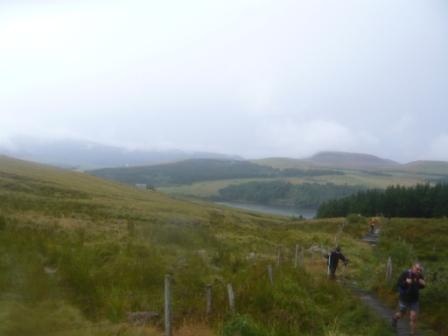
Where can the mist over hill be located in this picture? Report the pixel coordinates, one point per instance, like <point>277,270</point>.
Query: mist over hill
<point>324,167</point>
<point>357,161</point>
<point>336,160</point>
<point>82,155</point>
<point>87,155</point>
<point>351,160</point>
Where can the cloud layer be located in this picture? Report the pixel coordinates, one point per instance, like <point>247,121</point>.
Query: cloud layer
<point>251,77</point>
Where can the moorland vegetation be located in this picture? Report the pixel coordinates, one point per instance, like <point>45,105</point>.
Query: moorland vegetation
<point>78,253</point>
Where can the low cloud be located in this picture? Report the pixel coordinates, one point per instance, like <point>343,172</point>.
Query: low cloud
<point>290,138</point>
<point>438,149</point>
<point>254,78</point>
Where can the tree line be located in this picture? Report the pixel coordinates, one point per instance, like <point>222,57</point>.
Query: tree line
<point>281,193</point>
<point>421,201</point>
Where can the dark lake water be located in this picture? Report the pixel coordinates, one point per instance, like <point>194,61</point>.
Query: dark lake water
<point>306,213</point>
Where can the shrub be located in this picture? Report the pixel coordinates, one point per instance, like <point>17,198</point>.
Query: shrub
<point>242,325</point>
<point>356,219</point>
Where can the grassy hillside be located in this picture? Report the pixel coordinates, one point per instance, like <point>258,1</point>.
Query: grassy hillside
<point>185,172</point>
<point>428,167</point>
<point>77,253</point>
<point>211,179</point>
<point>335,160</point>
<point>284,163</point>
<point>190,171</point>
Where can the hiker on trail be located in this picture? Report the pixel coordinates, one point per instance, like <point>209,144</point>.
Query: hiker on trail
<point>372,223</point>
<point>333,260</point>
<point>409,284</point>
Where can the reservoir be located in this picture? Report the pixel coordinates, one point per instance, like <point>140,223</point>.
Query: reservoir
<point>289,212</point>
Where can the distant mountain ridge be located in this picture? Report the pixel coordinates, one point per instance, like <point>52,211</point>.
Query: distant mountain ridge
<point>86,155</point>
<point>82,155</point>
<point>195,170</point>
<point>428,167</point>
<point>351,160</point>
<point>356,161</point>
<point>330,164</point>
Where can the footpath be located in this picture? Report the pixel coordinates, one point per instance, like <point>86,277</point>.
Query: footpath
<point>375,304</point>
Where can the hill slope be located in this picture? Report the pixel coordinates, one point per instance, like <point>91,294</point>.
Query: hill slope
<point>185,172</point>
<point>428,167</point>
<point>96,250</point>
<point>351,161</point>
<point>257,182</point>
<point>335,160</point>
<point>190,171</point>
<point>358,161</point>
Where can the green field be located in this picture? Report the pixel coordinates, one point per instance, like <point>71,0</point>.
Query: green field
<point>78,253</point>
<point>208,189</point>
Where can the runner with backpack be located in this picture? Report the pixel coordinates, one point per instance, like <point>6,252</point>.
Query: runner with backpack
<point>409,284</point>
<point>333,260</point>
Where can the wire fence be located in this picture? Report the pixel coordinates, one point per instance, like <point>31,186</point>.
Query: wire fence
<point>265,269</point>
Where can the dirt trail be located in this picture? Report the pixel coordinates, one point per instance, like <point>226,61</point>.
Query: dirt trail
<point>374,303</point>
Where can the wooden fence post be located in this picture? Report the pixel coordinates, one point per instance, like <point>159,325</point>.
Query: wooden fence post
<point>302,256</point>
<point>389,269</point>
<point>278,256</point>
<point>296,256</point>
<point>168,331</point>
<point>209,299</point>
<point>231,298</point>
<point>270,275</point>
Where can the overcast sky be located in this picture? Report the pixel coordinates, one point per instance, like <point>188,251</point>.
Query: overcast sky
<point>249,77</point>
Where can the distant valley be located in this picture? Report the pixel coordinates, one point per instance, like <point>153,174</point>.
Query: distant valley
<point>281,182</point>
<point>285,183</point>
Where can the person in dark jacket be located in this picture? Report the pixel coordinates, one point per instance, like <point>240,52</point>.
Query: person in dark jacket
<point>372,223</point>
<point>333,260</point>
<point>409,284</point>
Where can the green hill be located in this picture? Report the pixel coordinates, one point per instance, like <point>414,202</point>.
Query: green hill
<point>428,167</point>
<point>284,163</point>
<point>334,160</point>
<point>328,173</point>
<point>191,171</point>
<point>185,172</point>
<point>352,161</point>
